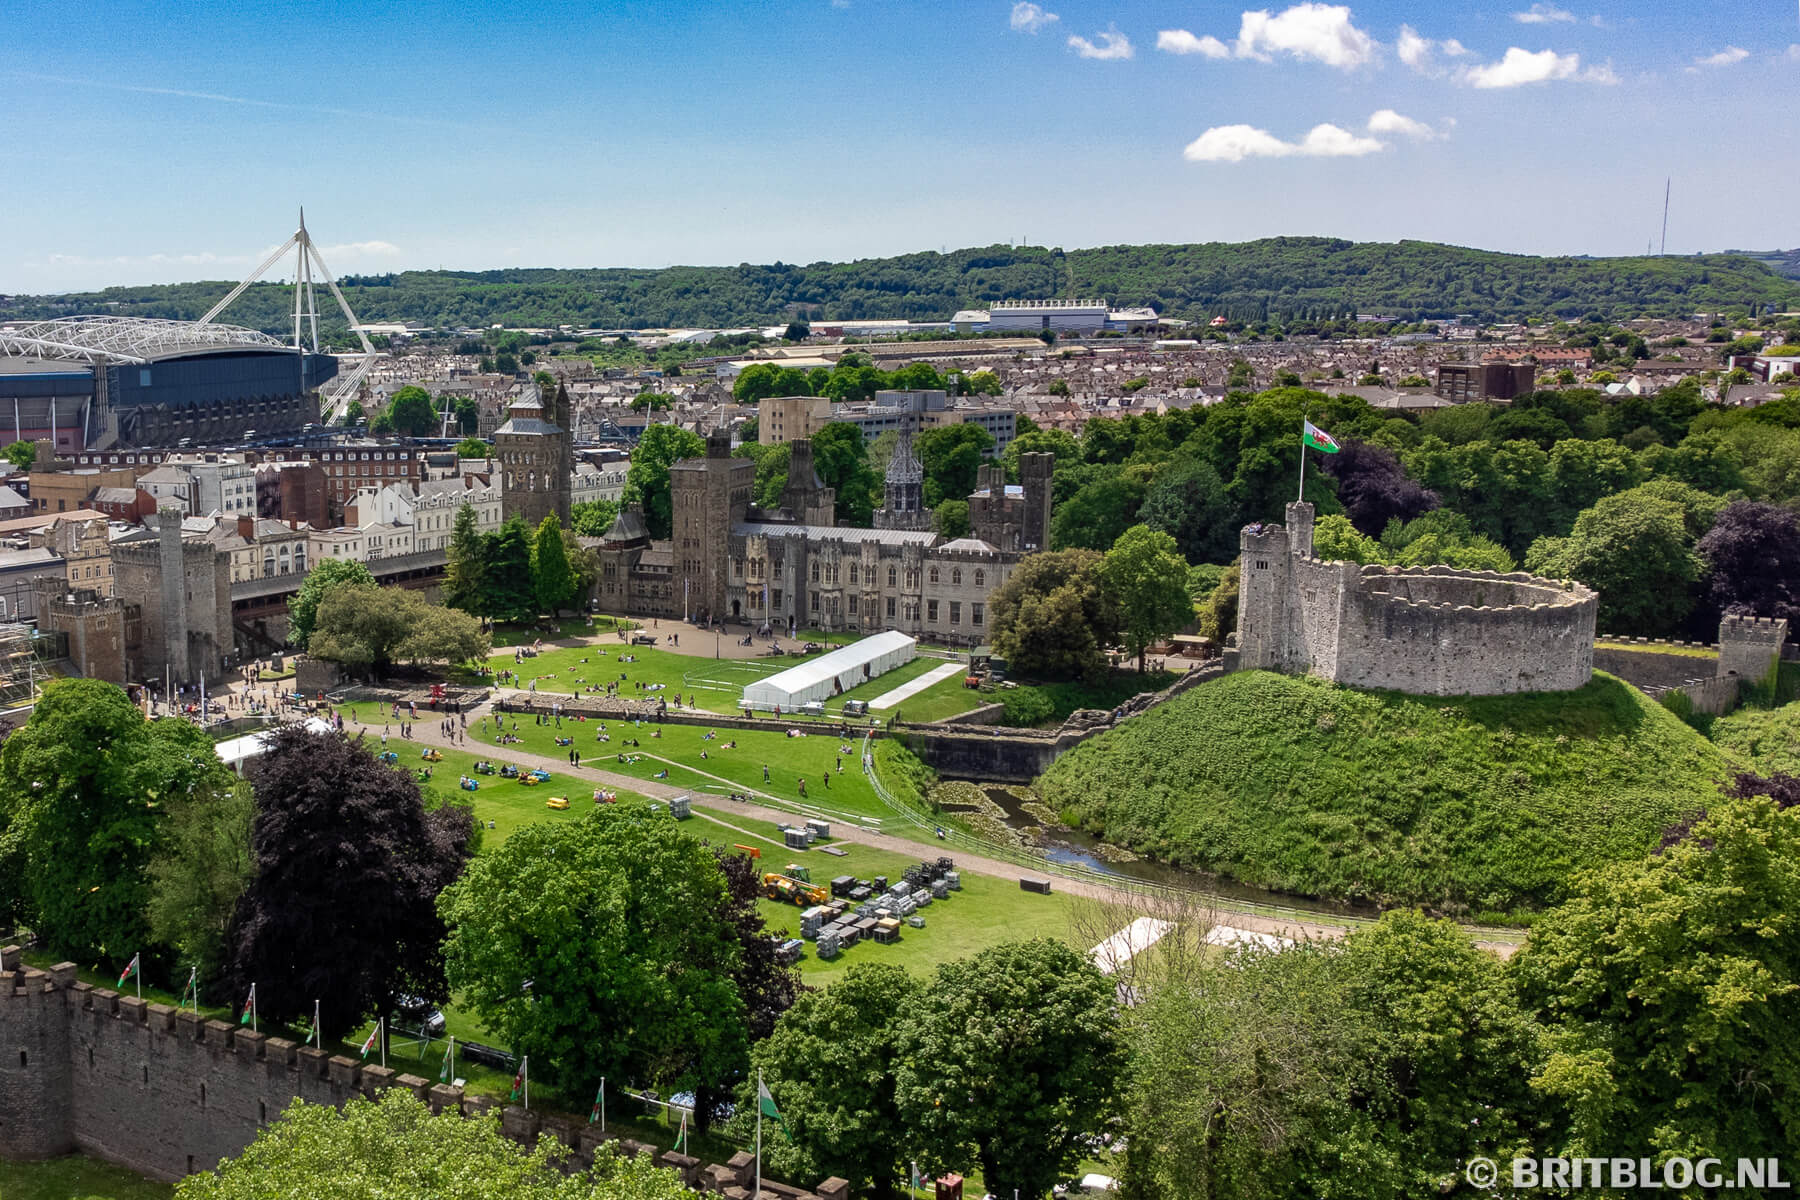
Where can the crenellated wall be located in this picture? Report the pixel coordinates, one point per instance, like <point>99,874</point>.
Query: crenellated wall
<point>1429,631</point>
<point>166,1093</point>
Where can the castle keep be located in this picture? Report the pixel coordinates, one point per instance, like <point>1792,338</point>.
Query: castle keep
<point>1434,631</point>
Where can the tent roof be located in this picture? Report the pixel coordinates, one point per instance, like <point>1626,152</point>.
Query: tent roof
<point>800,677</point>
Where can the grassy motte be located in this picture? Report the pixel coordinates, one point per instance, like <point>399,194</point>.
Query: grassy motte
<point>1481,805</point>
<point>1764,740</point>
<point>76,1177</point>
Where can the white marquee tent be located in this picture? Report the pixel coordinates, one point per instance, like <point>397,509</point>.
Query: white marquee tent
<point>240,750</point>
<point>831,674</point>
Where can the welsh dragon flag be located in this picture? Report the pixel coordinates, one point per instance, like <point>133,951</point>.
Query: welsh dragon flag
<point>765,1105</point>
<point>374,1034</point>
<point>1317,438</point>
<point>131,968</point>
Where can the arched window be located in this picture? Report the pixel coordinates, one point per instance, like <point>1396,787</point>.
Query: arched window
<point>980,577</point>
<point>956,577</point>
<point>934,575</point>
<point>893,576</point>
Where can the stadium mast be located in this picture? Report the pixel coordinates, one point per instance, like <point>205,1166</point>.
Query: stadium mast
<point>337,394</point>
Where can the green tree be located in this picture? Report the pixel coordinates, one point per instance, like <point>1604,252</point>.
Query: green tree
<point>382,424</point>
<point>1189,502</point>
<point>473,447</point>
<point>831,1064</point>
<point>85,787</point>
<point>1095,517</point>
<point>324,578</point>
<point>394,1145</point>
<point>797,331</point>
<point>592,518</point>
<point>600,945</point>
<point>21,454</point>
<point>199,870</point>
<point>648,401</point>
<point>1218,616</point>
<point>951,456</point>
<point>1053,617</point>
<point>550,573</point>
<point>506,572</point>
<point>410,411</point>
<point>1147,578</point>
<point>951,519</point>
<point>1040,441</point>
<point>342,908</point>
<point>465,566</point>
<point>369,628</point>
<point>353,412</point>
<point>1668,990</point>
<point>841,460</point>
<point>981,383</point>
<point>1010,1059</point>
<point>1637,553</point>
<point>647,479</point>
<point>1058,387</point>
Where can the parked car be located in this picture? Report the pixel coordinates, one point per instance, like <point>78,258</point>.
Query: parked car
<point>414,1012</point>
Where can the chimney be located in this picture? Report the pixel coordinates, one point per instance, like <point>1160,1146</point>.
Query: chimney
<point>246,527</point>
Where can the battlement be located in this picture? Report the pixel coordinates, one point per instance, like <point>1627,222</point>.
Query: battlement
<point>1426,630</point>
<point>166,1092</point>
<point>1738,627</point>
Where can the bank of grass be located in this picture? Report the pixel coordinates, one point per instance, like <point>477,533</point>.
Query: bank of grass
<point>1763,740</point>
<point>1480,806</point>
<point>76,1177</point>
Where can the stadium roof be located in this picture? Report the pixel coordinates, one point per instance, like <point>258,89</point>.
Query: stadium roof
<point>126,339</point>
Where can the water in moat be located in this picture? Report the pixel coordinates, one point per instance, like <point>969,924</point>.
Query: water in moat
<point>1076,847</point>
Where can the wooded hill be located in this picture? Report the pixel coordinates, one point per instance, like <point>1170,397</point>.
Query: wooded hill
<point>1304,277</point>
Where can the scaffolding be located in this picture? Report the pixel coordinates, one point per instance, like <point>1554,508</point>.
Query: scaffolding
<point>22,667</point>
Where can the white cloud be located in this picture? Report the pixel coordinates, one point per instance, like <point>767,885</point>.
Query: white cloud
<point>1729,56</point>
<point>1320,32</point>
<point>1520,67</point>
<point>1029,18</point>
<point>1543,14</point>
<point>361,250</point>
<point>1389,121</point>
<point>1793,52</point>
<point>1420,52</point>
<point>1110,46</point>
<point>1235,143</point>
<point>1180,41</point>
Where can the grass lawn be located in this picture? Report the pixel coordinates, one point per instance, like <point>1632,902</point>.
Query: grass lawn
<point>1682,651</point>
<point>76,1178</point>
<point>716,684</point>
<point>677,752</point>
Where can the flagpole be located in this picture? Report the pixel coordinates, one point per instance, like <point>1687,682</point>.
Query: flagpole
<point>525,1074</point>
<point>759,1108</point>
<point>318,1038</point>
<point>381,1028</point>
<point>603,1104</point>
<point>1302,495</point>
<point>253,1008</point>
<point>140,975</point>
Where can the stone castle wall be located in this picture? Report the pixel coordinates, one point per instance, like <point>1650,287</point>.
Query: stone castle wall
<point>1429,631</point>
<point>166,1093</point>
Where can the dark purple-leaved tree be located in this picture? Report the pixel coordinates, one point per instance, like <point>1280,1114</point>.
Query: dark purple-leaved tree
<point>1374,488</point>
<point>1780,787</point>
<point>1752,556</point>
<point>342,907</point>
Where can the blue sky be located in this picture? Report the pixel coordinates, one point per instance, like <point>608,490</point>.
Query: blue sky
<point>152,142</point>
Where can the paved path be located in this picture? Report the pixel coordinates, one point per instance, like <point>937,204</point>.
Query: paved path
<point>913,687</point>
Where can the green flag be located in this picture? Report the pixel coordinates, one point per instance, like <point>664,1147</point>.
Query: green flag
<point>1317,438</point>
<point>766,1105</point>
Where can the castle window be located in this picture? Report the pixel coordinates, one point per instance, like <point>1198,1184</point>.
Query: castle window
<point>815,575</point>
<point>1262,565</point>
<point>956,579</point>
<point>22,1060</point>
<point>890,607</point>
<point>815,602</point>
<point>853,577</point>
<point>893,577</point>
<point>975,614</point>
<point>934,575</point>
<point>931,610</point>
<point>853,605</point>
<point>956,612</point>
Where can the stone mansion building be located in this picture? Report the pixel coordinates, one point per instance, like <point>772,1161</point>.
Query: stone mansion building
<point>794,567</point>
